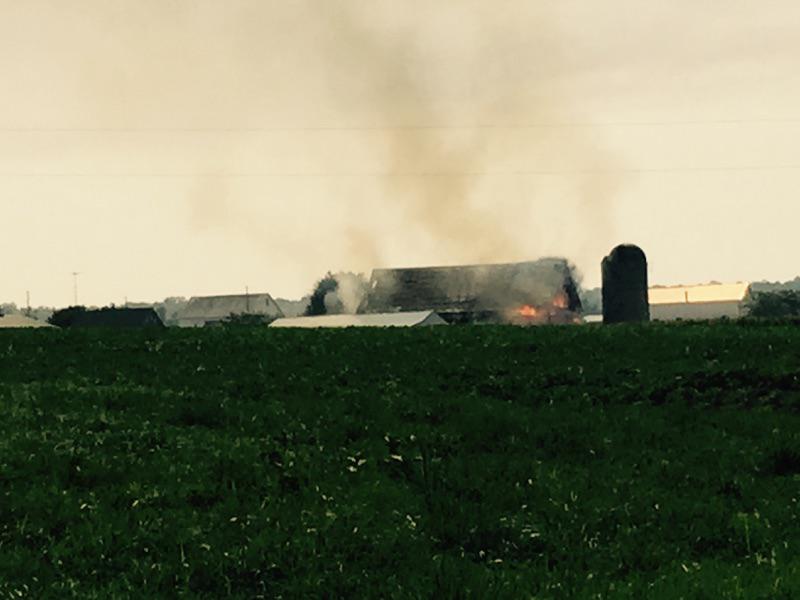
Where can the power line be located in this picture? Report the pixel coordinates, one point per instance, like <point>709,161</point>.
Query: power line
<point>401,175</point>
<point>422,127</point>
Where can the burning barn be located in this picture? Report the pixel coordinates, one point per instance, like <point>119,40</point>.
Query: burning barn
<point>535,292</point>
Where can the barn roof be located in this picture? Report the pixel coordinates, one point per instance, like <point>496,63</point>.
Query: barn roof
<point>215,308</point>
<point>400,319</point>
<point>471,288</point>
<point>118,317</point>
<point>710,292</point>
<point>17,321</point>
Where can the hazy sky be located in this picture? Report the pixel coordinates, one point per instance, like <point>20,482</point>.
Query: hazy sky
<point>176,147</point>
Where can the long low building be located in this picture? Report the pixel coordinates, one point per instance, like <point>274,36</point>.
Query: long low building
<point>699,302</point>
<point>399,319</point>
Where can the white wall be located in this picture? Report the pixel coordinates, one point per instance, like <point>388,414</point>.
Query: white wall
<point>696,311</point>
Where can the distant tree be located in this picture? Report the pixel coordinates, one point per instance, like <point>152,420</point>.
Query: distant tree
<point>66,316</point>
<point>591,301</point>
<point>338,293</point>
<point>777,304</point>
<point>325,286</point>
<point>769,286</point>
<point>9,309</point>
<point>162,312</point>
<point>247,320</point>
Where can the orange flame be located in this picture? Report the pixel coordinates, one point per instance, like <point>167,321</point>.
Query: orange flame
<point>561,301</point>
<point>528,311</point>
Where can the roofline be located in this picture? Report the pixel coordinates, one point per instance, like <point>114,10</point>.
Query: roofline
<point>699,285</point>
<point>250,295</point>
<point>476,266</point>
<point>690,303</point>
<point>125,308</point>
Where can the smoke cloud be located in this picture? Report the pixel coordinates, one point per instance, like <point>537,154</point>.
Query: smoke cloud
<point>439,108</point>
<point>351,289</point>
<point>435,169</point>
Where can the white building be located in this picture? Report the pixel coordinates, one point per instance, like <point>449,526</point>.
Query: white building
<point>698,302</point>
<point>400,319</point>
<point>211,310</point>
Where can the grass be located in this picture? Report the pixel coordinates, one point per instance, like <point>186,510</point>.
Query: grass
<point>485,462</point>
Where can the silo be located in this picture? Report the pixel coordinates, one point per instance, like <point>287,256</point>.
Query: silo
<point>625,286</point>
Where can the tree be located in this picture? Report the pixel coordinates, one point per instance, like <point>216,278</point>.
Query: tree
<point>247,320</point>
<point>8,309</point>
<point>66,316</point>
<point>775,305</point>
<point>335,294</point>
<point>592,301</point>
<point>325,286</point>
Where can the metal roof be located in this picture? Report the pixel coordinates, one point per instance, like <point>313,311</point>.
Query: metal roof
<point>400,319</point>
<point>210,308</point>
<point>694,294</point>
<point>22,322</point>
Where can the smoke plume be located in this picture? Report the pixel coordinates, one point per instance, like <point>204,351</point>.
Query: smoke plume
<point>339,293</point>
<point>434,169</point>
<point>447,122</point>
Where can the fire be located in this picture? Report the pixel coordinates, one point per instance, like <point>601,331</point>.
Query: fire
<point>555,312</point>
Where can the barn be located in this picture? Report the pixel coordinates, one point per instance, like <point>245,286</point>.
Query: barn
<point>542,291</point>
<point>400,319</point>
<point>699,302</point>
<point>212,310</point>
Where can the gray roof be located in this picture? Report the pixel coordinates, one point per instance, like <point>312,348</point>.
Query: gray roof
<point>472,288</point>
<point>407,319</point>
<point>217,308</point>
<point>17,321</point>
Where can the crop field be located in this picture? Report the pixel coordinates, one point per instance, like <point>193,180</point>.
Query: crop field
<point>474,462</point>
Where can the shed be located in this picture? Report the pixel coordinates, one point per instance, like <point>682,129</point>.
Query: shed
<point>399,319</point>
<point>475,293</point>
<point>699,302</point>
<point>211,310</point>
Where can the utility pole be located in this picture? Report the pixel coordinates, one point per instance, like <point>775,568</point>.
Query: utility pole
<point>75,287</point>
<point>28,304</point>
<point>247,298</point>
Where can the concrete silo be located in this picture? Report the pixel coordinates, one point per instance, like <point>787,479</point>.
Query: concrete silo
<point>625,297</point>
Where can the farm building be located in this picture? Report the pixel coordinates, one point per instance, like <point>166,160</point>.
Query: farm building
<point>697,302</point>
<point>400,319</point>
<point>22,322</point>
<point>527,292</point>
<point>212,310</point>
<point>117,318</point>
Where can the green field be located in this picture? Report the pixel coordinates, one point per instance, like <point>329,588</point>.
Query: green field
<point>474,462</point>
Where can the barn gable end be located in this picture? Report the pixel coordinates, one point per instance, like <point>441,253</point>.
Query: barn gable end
<point>210,310</point>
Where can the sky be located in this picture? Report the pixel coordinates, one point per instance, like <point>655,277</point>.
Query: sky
<point>175,148</point>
